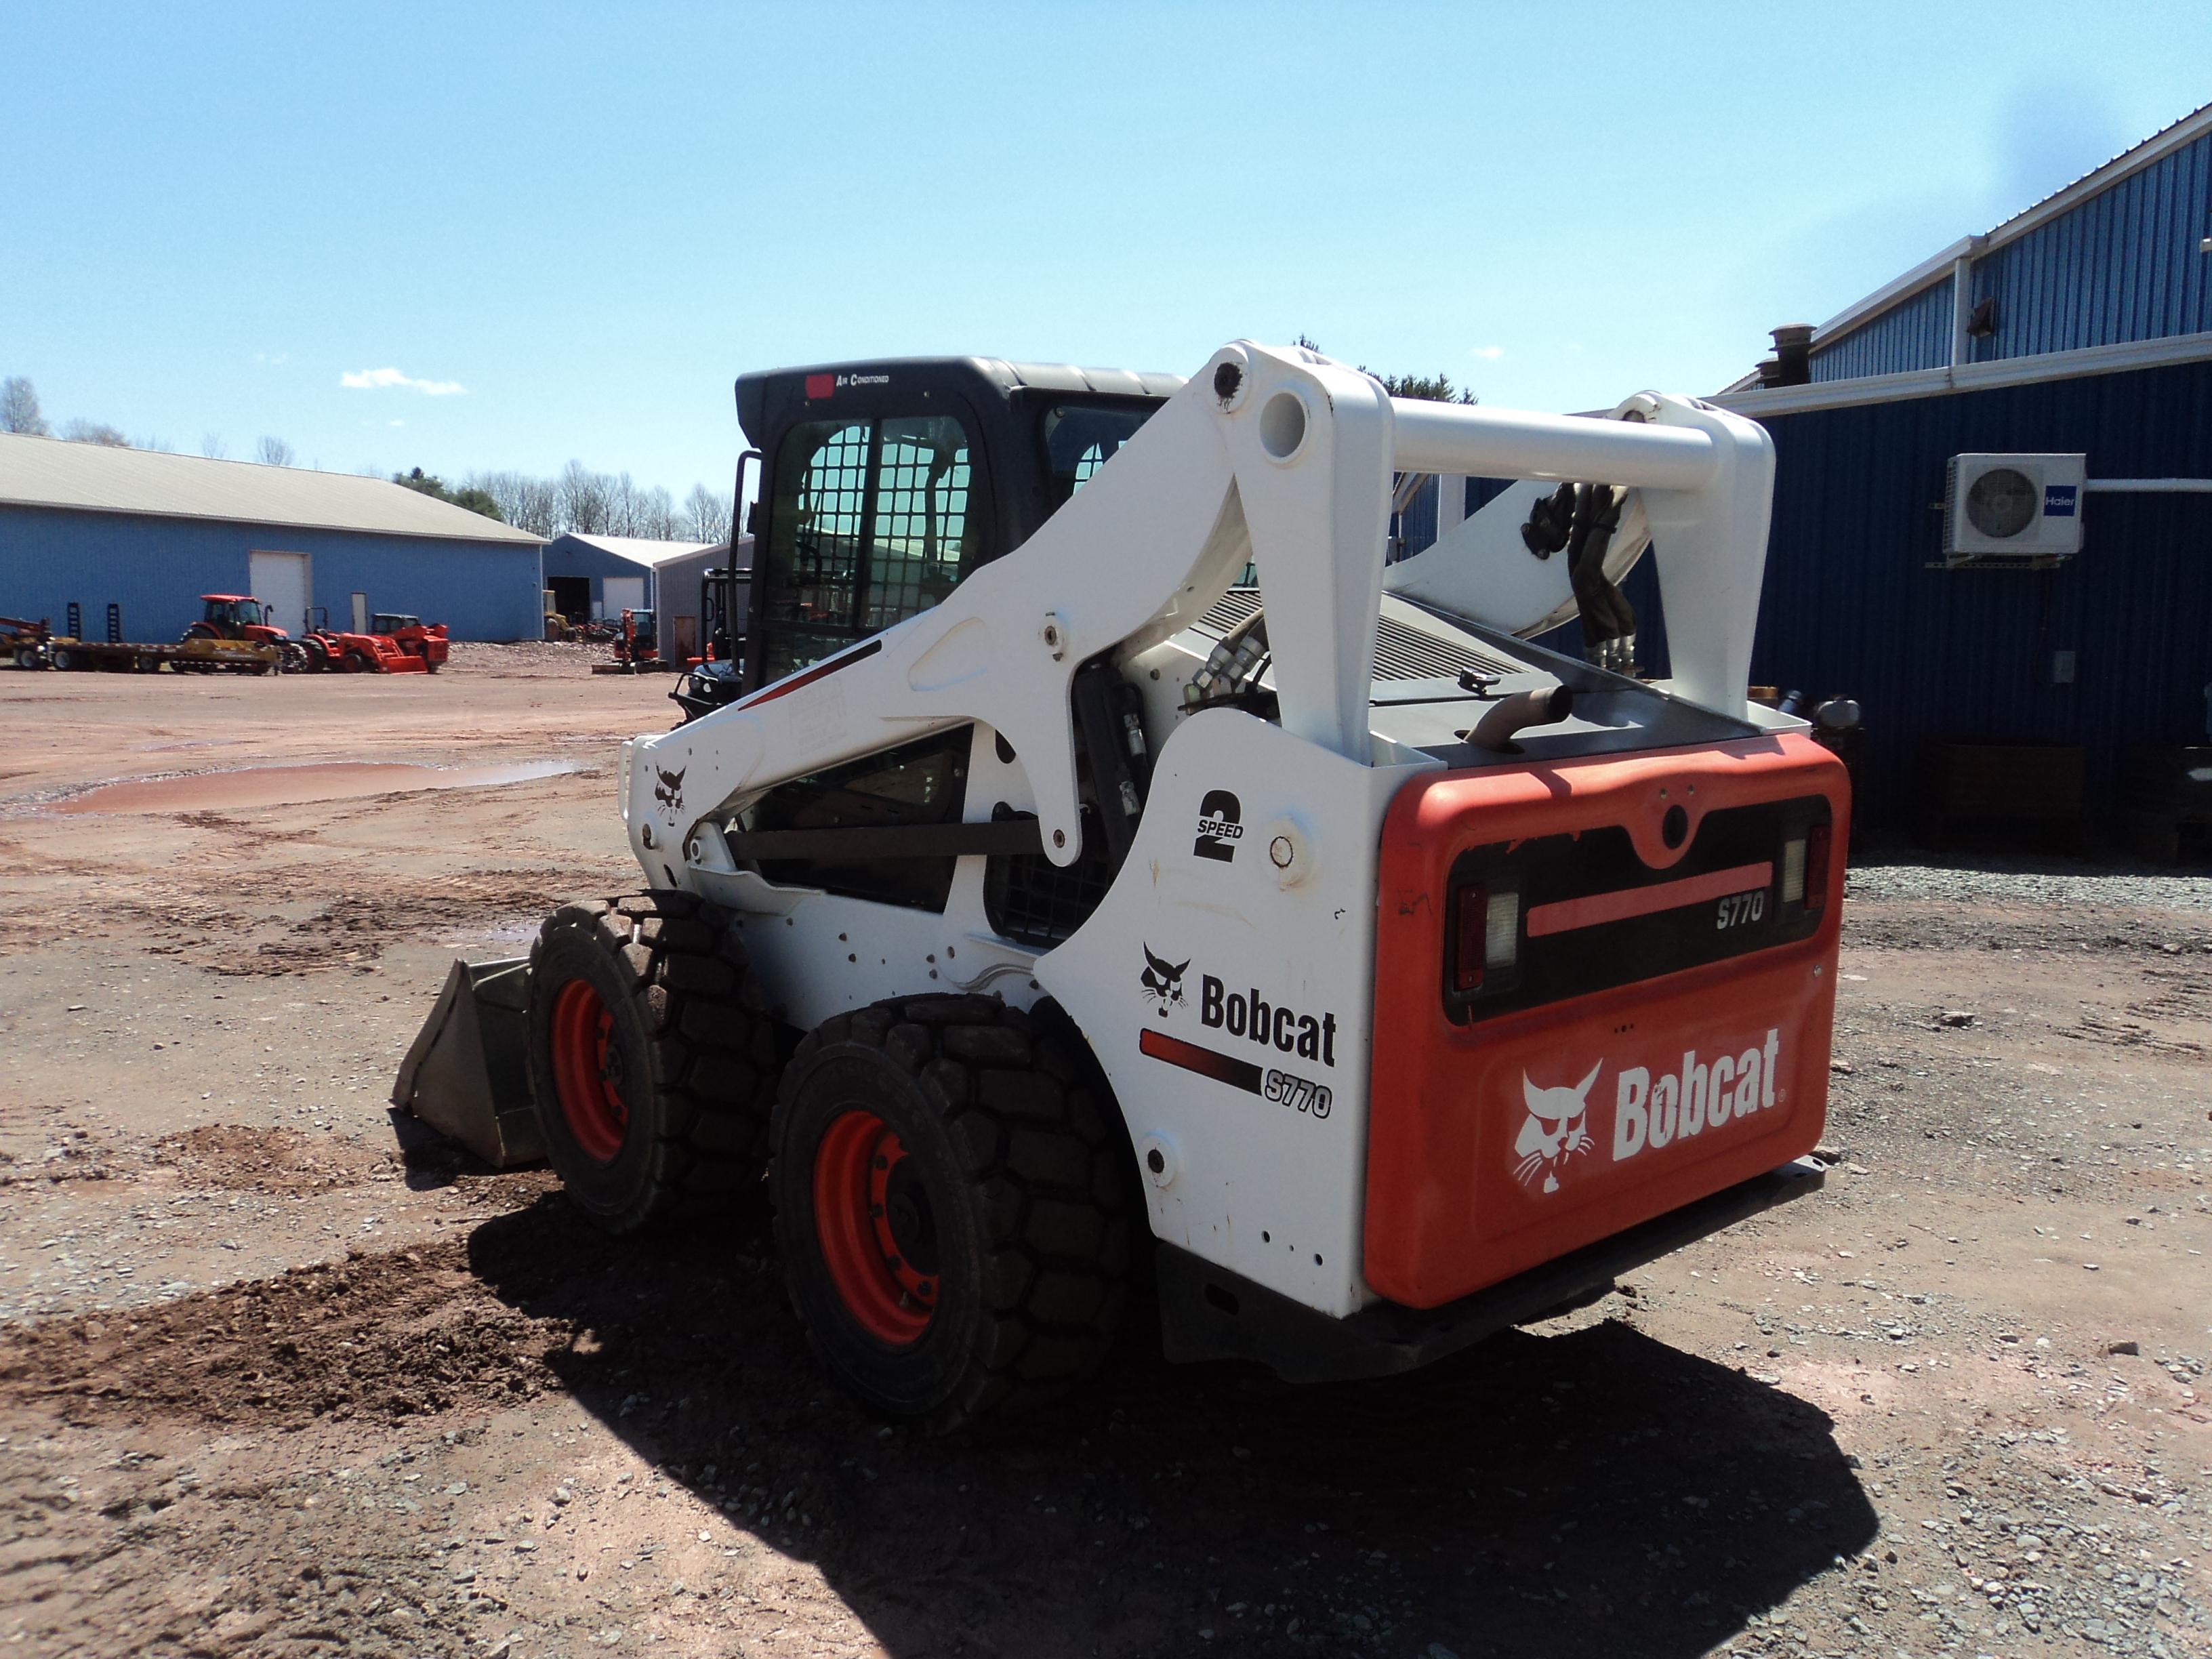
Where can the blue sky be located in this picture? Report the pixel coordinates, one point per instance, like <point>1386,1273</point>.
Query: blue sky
<point>565,230</point>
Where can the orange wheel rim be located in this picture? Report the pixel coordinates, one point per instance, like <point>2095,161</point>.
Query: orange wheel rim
<point>877,1228</point>
<point>586,1066</point>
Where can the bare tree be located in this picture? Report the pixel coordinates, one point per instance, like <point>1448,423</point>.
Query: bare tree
<point>658,514</point>
<point>706,515</point>
<point>622,506</point>
<point>94,432</point>
<point>528,503</point>
<point>536,506</point>
<point>583,497</point>
<point>19,408</point>
<point>154,445</point>
<point>587,502</point>
<point>273,452</point>
<point>212,447</point>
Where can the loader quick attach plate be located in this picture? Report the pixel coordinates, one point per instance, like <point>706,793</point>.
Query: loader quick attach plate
<point>467,1073</point>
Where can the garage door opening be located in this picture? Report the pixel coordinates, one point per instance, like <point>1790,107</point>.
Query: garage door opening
<point>572,597</point>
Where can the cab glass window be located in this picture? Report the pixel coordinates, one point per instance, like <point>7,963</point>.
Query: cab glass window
<point>870,523</point>
<point>1080,439</point>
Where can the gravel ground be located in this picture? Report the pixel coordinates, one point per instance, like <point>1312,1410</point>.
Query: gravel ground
<point>1910,879</point>
<point>527,659</point>
<point>275,1381</point>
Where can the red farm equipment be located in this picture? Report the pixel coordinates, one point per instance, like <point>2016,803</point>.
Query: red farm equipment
<point>410,649</point>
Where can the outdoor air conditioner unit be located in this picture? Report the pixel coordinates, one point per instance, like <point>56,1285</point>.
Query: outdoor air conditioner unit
<point>2012,508</point>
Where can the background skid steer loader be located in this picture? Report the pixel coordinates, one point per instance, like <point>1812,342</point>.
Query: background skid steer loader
<point>1050,884</point>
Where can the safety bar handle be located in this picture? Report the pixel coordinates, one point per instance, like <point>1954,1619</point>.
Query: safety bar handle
<point>1486,443</point>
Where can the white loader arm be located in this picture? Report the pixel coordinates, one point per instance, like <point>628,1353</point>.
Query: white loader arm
<point>1279,455</point>
<point>1704,515</point>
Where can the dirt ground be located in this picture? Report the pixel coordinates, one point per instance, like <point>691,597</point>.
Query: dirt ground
<point>269,1384</point>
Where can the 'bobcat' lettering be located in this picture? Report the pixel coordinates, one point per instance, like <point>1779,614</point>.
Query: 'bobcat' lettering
<point>1251,1015</point>
<point>1648,1113</point>
<point>1703,1095</point>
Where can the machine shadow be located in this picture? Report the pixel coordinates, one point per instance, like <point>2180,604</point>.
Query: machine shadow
<point>1592,1493</point>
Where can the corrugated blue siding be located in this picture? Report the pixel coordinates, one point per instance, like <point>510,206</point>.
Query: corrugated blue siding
<point>156,568</point>
<point>2123,265</point>
<point>1914,334</point>
<point>1850,605</point>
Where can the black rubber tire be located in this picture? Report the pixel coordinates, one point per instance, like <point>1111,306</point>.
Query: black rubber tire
<point>1021,1150</point>
<point>67,660</point>
<point>697,1056</point>
<point>356,662</point>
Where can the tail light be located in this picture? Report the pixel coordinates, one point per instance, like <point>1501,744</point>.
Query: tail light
<point>1805,868</point>
<point>1467,938</point>
<point>1816,868</point>
<point>1485,934</point>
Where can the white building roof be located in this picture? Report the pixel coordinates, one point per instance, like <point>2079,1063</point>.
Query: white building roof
<point>644,550</point>
<point>94,478</point>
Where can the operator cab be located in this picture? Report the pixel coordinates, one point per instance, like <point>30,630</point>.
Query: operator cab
<point>888,483</point>
<point>235,617</point>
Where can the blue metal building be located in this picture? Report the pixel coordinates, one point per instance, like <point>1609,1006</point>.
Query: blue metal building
<point>591,576</point>
<point>149,533</point>
<point>2083,325</point>
<point>579,568</point>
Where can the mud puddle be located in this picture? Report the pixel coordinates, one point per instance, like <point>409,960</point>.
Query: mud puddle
<point>290,785</point>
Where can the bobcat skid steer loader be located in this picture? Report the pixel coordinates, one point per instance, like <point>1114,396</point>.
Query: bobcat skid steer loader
<point>1108,866</point>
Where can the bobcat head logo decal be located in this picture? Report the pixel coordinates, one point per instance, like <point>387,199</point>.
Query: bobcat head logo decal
<point>1163,980</point>
<point>669,792</point>
<point>1557,1129</point>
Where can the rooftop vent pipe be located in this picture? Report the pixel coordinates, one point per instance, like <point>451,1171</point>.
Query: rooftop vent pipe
<point>1793,354</point>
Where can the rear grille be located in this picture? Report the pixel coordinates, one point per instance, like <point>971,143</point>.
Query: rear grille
<point>1403,654</point>
<point>1591,914</point>
<point>1230,611</point>
<point>1400,653</point>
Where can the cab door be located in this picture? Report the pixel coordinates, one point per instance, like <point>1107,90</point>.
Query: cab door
<point>873,518</point>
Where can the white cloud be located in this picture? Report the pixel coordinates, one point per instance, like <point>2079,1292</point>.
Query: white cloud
<point>373,379</point>
<point>1488,354</point>
<point>395,424</point>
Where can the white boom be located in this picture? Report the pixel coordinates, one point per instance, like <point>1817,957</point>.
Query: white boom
<point>1278,456</point>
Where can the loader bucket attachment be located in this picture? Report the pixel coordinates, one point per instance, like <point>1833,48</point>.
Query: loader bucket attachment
<point>467,1073</point>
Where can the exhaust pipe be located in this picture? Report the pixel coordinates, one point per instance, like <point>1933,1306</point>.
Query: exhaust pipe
<point>1518,712</point>
<point>1793,354</point>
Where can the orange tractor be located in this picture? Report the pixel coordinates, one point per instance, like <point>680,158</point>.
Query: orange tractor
<point>395,645</point>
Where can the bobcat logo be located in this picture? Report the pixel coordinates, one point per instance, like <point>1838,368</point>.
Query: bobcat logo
<point>1163,980</point>
<point>669,792</point>
<point>1557,1129</point>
